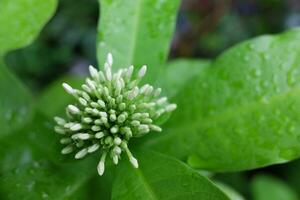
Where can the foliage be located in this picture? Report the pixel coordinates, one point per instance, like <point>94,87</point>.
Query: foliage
<point>237,112</point>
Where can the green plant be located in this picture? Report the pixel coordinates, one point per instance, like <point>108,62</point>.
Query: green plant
<point>238,112</point>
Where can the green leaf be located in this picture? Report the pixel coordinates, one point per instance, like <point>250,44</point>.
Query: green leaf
<point>36,140</point>
<point>162,177</point>
<point>15,103</point>
<point>229,191</point>
<point>54,99</point>
<point>266,187</point>
<point>31,167</point>
<point>187,69</point>
<point>243,111</point>
<point>136,32</point>
<point>43,180</point>
<point>21,21</point>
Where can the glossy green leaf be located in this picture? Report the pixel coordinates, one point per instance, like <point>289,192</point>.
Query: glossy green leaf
<point>136,32</point>
<point>178,73</point>
<point>15,102</point>
<point>266,187</point>
<point>21,21</point>
<point>31,166</point>
<point>54,99</point>
<point>229,191</point>
<point>43,180</point>
<point>162,177</point>
<point>243,112</point>
<point>36,140</point>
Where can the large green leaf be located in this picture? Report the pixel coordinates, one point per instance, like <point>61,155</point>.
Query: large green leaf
<point>266,187</point>
<point>187,69</point>
<point>15,105</point>
<point>136,32</point>
<point>43,180</point>
<point>162,177</point>
<point>36,140</point>
<point>31,167</point>
<point>54,99</point>
<point>21,21</point>
<point>242,112</point>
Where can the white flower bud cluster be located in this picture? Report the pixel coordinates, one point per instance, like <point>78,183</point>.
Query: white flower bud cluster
<point>109,110</point>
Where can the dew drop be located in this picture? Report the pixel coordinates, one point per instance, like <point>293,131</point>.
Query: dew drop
<point>265,100</point>
<point>31,185</point>
<point>291,129</point>
<point>102,44</point>
<point>265,84</point>
<point>246,58</point>
<point>45,195</point>
<point>257,73</point>
<point>267,56</point>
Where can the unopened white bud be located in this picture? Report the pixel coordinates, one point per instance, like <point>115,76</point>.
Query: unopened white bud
<point>134,162</point>
<point>93,72</point>
<point>109,59</point>
<point>68,88</point>
<point>73,109</point>
<point>129,71</point>
<point>81,153</point>
<point>67,149</point>
<point>157,92</point>
<point>93,148</point>
<point>142,71</point>
<point>76,127</point>
<point>101,166</point>
<point>171,107</point>
<point>60,121</point>
<point>107,70</point>
<point>117,141</point>
<point>155,128</point>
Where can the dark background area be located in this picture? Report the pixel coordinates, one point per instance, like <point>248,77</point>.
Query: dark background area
<point>204,29</point>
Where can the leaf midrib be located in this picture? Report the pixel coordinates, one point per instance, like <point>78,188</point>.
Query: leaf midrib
<point>145,184</point>
<point>135,32</point>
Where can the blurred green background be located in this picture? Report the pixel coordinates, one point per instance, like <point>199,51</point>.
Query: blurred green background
<point>204,29</point>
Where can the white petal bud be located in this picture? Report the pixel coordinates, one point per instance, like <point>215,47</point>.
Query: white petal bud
<point>60,121</point>
<point>67,149</point>
<point>155,128</point>
<point>93,72</point>
<point>117,141</point>
<point>59,130</point>
<point>93,148</point>
<point>73,109</point>
<point>171,107</point>
<point>142,71</point>
<point>107,70</point>
<point>130,71</point>
<point>82,101</point>
<point>134,162</point>
<point>76,127</point>
<point>81,153</point>
<point>101,166</point>
<point>109,59</point>
<point>68,88</point>
<point>99,135</point>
